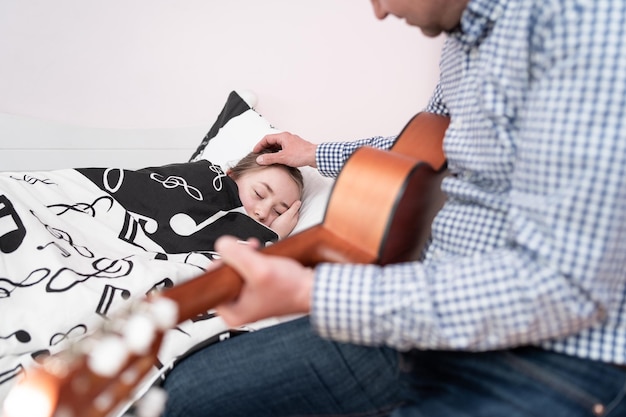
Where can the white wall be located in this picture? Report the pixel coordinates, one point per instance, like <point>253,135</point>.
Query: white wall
<point>325,69</point>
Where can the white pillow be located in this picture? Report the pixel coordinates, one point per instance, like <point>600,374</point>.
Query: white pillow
<point>237,129</point>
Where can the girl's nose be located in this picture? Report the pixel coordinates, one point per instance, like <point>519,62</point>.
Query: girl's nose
<point>260,213</point>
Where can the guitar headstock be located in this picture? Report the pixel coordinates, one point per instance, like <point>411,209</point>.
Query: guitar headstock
<point>96,376</point>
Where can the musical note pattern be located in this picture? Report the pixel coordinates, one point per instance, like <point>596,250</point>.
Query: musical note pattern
<point>7,286</point>
<point>129,230</point>
<point>164,284</point>
<point>78,246</point>
<point>11,373</point>
<point>21,336</point>
<point>108,296</point>
<point>87,208</point>
<point>219,174</point>
<point>64,237</point>
<point>12,230</point>
<point>174,181</point>
<point>183,206</point>
<point>33,180</point>
<point>73,333</point>
<point>65,278</point>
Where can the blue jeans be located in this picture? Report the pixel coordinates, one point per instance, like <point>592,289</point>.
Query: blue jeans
<point>287,370</point>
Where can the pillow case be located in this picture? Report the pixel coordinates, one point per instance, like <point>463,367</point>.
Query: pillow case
<point>234,133</point>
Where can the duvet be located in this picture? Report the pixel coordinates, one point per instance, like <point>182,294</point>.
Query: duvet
<point>78,245</point>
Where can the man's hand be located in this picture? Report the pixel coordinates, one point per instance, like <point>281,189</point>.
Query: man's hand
<point>294,151</point>
<point>286,222</point>
<point>273,285</point>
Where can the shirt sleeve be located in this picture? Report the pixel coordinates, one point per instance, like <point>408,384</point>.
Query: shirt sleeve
<point>331,156</point>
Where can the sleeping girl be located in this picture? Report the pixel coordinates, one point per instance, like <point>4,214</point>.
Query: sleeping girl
<point>79,245</point>
<point>185,207</point>
<point>270,194</point>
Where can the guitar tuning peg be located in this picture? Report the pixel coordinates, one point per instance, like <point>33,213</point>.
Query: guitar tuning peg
<point>34,397</point>
<point>164,311</point>
<point>139,332</point>
<point>108,356</point>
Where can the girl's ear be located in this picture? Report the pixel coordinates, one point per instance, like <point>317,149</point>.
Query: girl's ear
<point>229,172</point>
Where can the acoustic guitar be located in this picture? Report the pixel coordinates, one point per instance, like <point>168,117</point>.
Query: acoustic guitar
<point>379,211</point>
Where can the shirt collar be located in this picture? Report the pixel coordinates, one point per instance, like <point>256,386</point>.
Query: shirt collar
<point>477,21</point>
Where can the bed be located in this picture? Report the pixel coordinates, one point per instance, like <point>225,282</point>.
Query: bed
<point>79,245</point>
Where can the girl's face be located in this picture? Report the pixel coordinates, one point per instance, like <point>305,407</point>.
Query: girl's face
<point>267,193</point>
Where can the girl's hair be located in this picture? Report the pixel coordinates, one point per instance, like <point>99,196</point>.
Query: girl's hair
<point>248,164</point>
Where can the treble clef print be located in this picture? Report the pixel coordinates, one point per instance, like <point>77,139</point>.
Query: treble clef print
<point>217,181</point>
<point>7,286</point>
<point>33,180</point>
<point>64,236</point>
<point>61,249</point>
<point>66,278</point>
<point>76,331</point>
<point>86,208</point>
<point>174,181</point>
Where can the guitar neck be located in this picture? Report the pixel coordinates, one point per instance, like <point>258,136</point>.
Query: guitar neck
<point>309,247</point>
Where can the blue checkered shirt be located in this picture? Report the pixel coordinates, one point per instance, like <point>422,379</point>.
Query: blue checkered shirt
<point>530,248</point>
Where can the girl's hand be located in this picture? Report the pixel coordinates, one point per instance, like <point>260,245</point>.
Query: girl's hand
<point>286,222</point>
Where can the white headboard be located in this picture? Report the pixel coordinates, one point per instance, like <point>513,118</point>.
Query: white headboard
<point>30,144</point>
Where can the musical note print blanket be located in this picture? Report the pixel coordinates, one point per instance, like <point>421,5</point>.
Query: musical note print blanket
<point>77,245</point>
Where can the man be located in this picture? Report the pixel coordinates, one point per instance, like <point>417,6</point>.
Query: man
<point>518,306</point>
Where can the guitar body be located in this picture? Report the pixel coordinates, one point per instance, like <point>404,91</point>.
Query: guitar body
<point>380,211</point>
<point>409,226</point>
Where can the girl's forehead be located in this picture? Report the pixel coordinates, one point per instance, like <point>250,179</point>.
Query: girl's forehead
<point>271,174</point>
